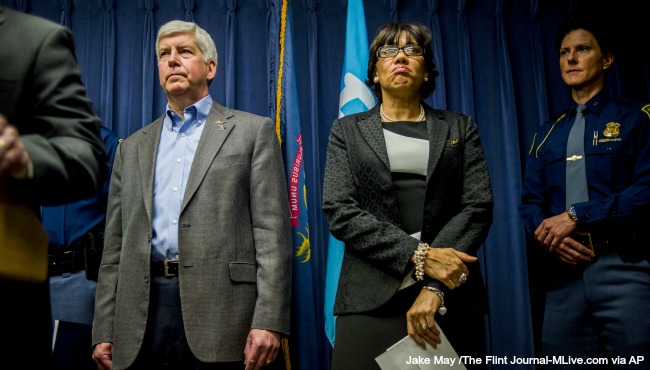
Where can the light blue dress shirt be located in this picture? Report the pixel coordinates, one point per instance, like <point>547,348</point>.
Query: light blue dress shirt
<point>178,142</point>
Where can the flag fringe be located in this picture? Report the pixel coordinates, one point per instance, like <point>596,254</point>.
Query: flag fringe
<point>278,93</point>
<point>285,351</point>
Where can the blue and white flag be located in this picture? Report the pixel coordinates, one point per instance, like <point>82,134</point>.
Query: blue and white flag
<point>355,97</point>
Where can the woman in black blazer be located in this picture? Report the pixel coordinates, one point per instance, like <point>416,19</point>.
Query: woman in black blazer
<point>407,190</point>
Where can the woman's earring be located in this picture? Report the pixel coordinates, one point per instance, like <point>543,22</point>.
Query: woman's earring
<point>376,79</point>
<point>426,78</point>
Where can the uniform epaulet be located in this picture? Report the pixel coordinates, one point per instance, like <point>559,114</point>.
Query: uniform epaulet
<point>646,109</point>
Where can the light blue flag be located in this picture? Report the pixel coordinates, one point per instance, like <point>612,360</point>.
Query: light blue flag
<point>355,97</point>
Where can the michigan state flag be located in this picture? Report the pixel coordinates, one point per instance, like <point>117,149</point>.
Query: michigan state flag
<point>303,342</point>
<point>355,97</point>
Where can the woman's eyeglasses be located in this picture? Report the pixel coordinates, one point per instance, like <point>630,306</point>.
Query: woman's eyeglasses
<point>390,51</point>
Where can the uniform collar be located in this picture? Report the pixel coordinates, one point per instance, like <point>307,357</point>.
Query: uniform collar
<point>596,104</point>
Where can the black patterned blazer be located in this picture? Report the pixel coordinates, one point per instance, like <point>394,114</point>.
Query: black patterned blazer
<point>361,207</point>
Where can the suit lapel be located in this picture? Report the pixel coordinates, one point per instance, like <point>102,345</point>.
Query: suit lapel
<point>373,133</point>
<point>217,127</point>
<point>438,131</point>
<point>147,151</point>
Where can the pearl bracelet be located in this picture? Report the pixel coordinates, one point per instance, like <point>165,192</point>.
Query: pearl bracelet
<point>442,310</point>
<point>418,258</point>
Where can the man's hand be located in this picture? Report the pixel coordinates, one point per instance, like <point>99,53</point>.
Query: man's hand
<point>14,160</point>
<point>262,347</point>
<point>103,356</point>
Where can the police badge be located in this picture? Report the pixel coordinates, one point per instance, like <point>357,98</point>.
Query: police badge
<point>612,129</point>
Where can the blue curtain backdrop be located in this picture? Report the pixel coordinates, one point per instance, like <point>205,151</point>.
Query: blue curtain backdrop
<point>499,64</point>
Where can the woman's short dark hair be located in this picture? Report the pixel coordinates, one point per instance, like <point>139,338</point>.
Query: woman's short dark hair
<point>594,25</point>
<point>389,34</point>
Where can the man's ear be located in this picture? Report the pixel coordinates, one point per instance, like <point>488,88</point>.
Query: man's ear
<point>212,70</point>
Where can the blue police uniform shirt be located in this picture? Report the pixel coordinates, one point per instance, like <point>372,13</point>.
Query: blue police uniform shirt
<point>617,154</point>
<point>67,224</point>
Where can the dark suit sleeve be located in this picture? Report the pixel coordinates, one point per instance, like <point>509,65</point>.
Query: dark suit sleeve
<point>57,125</point>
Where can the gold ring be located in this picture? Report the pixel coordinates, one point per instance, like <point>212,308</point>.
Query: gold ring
<point>268,362</point>
<point>2,143</point>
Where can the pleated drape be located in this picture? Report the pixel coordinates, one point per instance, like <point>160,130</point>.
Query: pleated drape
<point>439,97</point>
<point>465,61</point>
<point>149,64</point>
<point>501,260</point>
<point>189,10</point>
<point>106,105</point>
<point>65,13</point>
<point>229,65</point>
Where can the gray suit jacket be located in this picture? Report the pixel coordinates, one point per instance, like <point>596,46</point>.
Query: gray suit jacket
<point>41,93</point>
<point>361,207</point>
<point>234,240</point>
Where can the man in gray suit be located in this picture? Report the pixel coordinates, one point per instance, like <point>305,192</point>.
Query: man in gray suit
<point>50,153</point>
<point>196,270</point>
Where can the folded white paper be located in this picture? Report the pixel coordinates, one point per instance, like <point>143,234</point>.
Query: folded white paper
<point>407,354</point>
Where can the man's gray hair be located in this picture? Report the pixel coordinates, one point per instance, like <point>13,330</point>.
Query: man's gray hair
<point>203,39</point>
